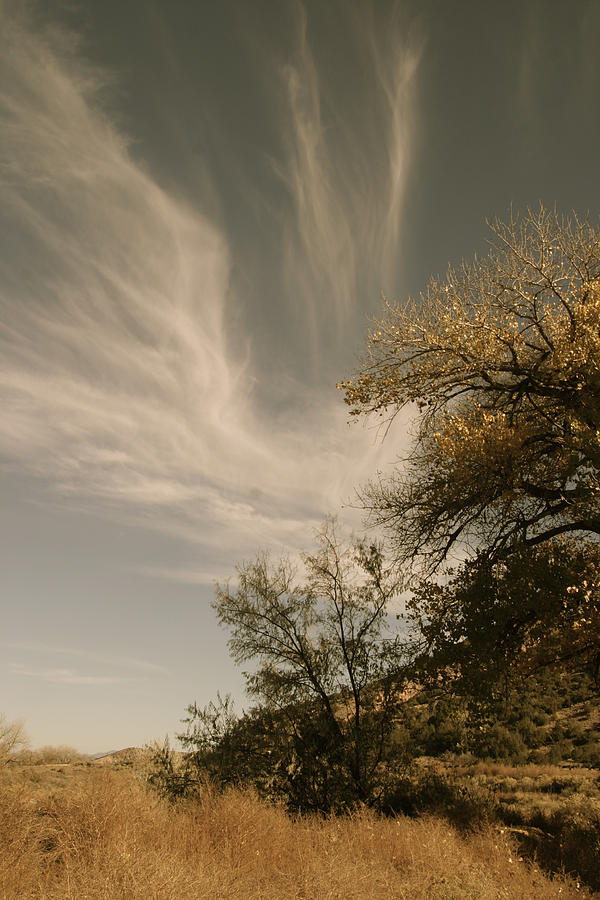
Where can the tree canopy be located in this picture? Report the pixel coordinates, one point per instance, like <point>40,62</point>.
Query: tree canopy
<point>502,360</point>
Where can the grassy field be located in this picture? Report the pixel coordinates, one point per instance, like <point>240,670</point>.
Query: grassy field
<point>95,832</point>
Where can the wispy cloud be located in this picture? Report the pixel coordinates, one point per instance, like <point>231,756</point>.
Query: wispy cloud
<point>396,66</point>
<point>320,251</point>
<point>67,676</point>
<point>122,381</point>
<point>182,575</point>
<point>347,178</point>
<point>87,656</point>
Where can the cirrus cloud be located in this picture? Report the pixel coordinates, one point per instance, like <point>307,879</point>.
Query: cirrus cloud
<point>124,383</point>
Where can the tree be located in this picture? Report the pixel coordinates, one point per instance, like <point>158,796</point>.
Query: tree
<point>12,738</point>
<point>494,622</point>
<point>502,360</point>
<point>326,671</point>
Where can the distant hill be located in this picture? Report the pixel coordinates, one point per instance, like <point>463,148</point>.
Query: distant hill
<point>129,756</point>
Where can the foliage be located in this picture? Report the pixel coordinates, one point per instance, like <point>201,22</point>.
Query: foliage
<point>326,677</point>
<point>226,750</point>
<point>502,358</point>
<point>547,718</point>
<point>212,736</point>
<point>172,778</point>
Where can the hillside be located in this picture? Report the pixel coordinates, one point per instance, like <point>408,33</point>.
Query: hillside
<point>549,719</point>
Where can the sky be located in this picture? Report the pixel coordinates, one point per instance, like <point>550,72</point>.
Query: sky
<point>201,208</point>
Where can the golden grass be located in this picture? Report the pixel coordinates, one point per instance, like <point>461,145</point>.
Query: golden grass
<point>103,836</point>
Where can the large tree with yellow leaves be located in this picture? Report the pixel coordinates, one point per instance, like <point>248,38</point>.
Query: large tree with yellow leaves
<point>501,360</point>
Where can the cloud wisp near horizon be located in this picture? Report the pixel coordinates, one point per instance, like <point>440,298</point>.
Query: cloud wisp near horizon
<point>135,376</point>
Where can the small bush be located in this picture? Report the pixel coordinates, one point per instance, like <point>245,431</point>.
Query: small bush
<point>466,807</point>
<point>572,842</point>
<point>588,753</point>
<point>540,717</point>
<point>50,755</point>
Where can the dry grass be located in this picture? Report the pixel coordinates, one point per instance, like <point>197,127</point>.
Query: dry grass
<point>530,770</point>
<point>103,836</point>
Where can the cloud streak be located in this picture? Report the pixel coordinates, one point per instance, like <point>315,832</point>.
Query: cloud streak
<point>67,676</point>
<point>126,662</point>
<point>123,381</point>
<point>346,177</point>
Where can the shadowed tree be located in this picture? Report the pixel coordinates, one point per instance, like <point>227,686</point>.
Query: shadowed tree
<point>494,622</point>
